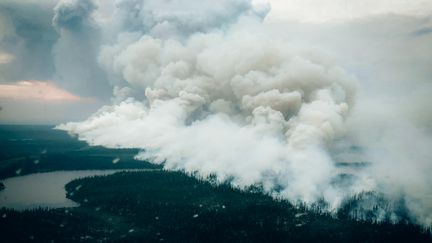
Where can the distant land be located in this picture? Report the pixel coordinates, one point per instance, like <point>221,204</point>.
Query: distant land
<point>161,206</point>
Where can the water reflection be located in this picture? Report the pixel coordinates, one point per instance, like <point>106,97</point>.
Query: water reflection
<point>42,189</point>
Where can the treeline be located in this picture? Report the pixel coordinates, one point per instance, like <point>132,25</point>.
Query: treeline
<point>159,206</point>
<point>94,158</point>
<point>30,149</point>
<point>177,208</point>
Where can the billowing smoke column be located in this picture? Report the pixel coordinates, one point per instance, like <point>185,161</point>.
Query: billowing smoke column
<point>202,91</point>
<point>75,52</point>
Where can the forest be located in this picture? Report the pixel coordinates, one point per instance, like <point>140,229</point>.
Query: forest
<point>31,149</point>
<point>166,206</point>
<point>155,206</point>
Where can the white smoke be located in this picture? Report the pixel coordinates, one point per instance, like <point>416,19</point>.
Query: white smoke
<point>204,92</point>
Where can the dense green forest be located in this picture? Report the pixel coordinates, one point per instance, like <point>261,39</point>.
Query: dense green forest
<point>30,149</point>
<point>157,206</point>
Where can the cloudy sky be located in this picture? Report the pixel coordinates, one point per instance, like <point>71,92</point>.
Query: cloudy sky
<point>47,77</point>
<point>252,92</point>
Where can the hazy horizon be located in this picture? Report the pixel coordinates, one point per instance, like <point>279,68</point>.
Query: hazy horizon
<point>250,92</point>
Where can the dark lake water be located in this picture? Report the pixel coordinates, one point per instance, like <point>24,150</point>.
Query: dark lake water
<point>37,161</point>
<point>42,189</point>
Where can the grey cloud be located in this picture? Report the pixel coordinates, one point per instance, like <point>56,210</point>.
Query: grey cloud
<point>253,104</point>
<point>27,34</point>
<point>209,89</point>
<point>423,31</point>
<point>179,17</point>
<point>73,14</point>
<point>66,54</point>
<point>75,52</point>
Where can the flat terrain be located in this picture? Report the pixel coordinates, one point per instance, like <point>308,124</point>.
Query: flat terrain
<point>160,206</point>
<point>30,149</point>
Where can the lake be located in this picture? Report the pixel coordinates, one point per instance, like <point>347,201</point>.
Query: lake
<point>43,189</point>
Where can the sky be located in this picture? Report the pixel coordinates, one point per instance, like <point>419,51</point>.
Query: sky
<point>30,49</point>
<point>247,91</point>
<point>344,10</point>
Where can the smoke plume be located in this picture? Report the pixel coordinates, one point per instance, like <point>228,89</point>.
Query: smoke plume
<point>200,88</point>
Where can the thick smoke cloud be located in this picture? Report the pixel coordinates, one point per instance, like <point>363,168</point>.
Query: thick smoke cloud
<point>73,14</point>
<point>52,40</point>
<point>205,88</point>
<point>26,35</point>
<point>181,18</point>
<point>390,123</point>
<point>75,53</point>
<point>246,119</point>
